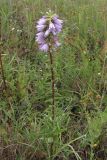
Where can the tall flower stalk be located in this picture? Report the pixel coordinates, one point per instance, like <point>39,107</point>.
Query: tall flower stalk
<point>48,28</point>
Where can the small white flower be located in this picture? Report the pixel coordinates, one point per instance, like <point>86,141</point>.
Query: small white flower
<point>18,30</point>
<point>13,29</point>
<point>40,70</point>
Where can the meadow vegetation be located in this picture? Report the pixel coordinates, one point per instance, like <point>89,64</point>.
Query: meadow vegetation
<point>80,64</point>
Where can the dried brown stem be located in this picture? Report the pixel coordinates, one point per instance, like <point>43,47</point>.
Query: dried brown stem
<point>53,84</point>
<point>4,81</point>
<point>2,72</point>
<point>53,98</point>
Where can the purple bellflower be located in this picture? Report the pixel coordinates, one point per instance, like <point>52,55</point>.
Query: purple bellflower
<point>48,28</point>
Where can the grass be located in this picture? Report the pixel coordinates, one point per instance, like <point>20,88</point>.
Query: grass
<point>26,130</point>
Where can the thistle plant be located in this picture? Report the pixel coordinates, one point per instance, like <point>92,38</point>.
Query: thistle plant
<point>48,28</point>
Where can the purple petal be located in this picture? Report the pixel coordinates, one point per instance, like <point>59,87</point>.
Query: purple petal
<point>54,32</point>
<point>57,44</point>
<point>40,27</point>
<point>51,26</point>
<point>57,21</point>
<point>40,37</point>
<point>41,34</point>
<point>40,40</point>
<point>44,47</point>
<point>42,21</point>
<point>58,28</point>
<point>47,33</point>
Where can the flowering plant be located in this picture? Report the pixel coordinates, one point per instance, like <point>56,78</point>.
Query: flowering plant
<point>48,28</point>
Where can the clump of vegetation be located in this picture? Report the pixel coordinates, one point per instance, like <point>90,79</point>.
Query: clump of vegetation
<point>26,125</point>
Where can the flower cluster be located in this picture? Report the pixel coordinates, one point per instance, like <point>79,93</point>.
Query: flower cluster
<point>48,28</point>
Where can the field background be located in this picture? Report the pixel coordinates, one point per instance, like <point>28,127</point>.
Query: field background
<point>80,64</point>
